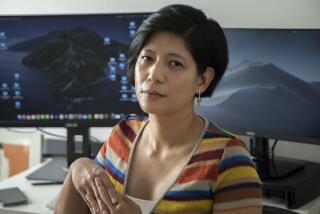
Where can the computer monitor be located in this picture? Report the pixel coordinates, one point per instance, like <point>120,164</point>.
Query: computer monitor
<point>271,89</point>
<point>66,71</point>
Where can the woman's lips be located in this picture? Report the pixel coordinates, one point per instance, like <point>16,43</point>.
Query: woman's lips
<point>151,94</point>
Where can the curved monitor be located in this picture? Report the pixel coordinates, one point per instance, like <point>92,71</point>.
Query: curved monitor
<point>66,69</point>
<point>271,88</point>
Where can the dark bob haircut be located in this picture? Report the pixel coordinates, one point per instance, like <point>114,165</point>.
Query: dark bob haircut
<point>203,37</point>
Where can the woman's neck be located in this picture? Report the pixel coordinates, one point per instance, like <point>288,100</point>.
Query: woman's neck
<point>166,132</point>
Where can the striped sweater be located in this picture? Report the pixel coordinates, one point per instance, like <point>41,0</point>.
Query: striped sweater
<point>219,175</point>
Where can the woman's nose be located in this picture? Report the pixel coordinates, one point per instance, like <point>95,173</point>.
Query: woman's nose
<point>156,73</point>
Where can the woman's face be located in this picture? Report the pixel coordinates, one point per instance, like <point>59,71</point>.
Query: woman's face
<point>166,78</point>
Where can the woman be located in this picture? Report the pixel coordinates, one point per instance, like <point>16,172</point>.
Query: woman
<point>175,161</point>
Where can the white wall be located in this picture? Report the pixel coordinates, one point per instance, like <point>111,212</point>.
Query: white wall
<point>248,13</point>
<point>230,13</point>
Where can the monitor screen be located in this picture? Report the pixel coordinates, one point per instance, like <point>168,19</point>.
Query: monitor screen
<point>62,68</point>
<point>272,85</point>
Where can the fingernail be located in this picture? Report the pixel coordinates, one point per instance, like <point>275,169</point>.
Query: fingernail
<point>113,196</point>
<point>114,200</point>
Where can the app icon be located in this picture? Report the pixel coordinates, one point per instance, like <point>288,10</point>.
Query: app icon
<point>132,33</point>
<point>113,69</point>
<point>124,96</point>
<point>122,66</point>
<point>132,24</point>
<point>122,55</point>
<point>124,78</point>
<point>61,116</point>
<point>112,77</point>
<point>16,76</point>
<point>124,88</point>
<point>17,104</point>
<point>107,40</point>
<point>2,35</point>
<point>16,85</point>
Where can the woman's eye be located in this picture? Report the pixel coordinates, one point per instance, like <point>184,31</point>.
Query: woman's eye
<point>146,58</point>
<point>176,63</point>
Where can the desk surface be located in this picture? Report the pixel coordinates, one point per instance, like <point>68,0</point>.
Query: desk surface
<point>40,196</point>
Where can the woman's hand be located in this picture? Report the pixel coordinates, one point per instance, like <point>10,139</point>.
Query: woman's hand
<point>124,205</point>
<point>84,173</point>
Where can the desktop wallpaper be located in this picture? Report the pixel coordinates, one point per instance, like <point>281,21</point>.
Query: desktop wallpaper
<point>56,67</point>
<point>272,85</point>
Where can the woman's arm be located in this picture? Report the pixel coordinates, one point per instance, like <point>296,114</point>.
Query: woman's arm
<point>69,200</point>
<point>238,187</point>
<point>79,191</point>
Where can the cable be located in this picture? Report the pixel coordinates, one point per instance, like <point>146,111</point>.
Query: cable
<point>273,147</point>
<point>21,132</point>
<point>92,138</point>
<point>51,134</point>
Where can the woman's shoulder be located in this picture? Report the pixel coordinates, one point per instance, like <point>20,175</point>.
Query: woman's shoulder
<point>130,125</point>
<point>132,120</point>
<point>135,117</point>
<point>213,131</point>
<point>218,139</point>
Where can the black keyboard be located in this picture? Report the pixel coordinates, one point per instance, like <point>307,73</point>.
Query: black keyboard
<point>276,210</point>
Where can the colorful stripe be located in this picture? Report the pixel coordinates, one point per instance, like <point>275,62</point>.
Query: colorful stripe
<point>235,162</point>
<point>202,206</point>
<point>127,131</point>
<point>188,195</point>
<point>116,174</point>
<point>205,156</point>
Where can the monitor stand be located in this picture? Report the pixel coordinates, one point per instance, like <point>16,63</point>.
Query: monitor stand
<point>270,166</point>
<point>81,137</point>
<point>78,145</point>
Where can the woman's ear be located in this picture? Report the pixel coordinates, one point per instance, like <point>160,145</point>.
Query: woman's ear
<point>205,79</point>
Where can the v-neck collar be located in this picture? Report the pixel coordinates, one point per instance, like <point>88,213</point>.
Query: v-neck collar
<point>137,140</point>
